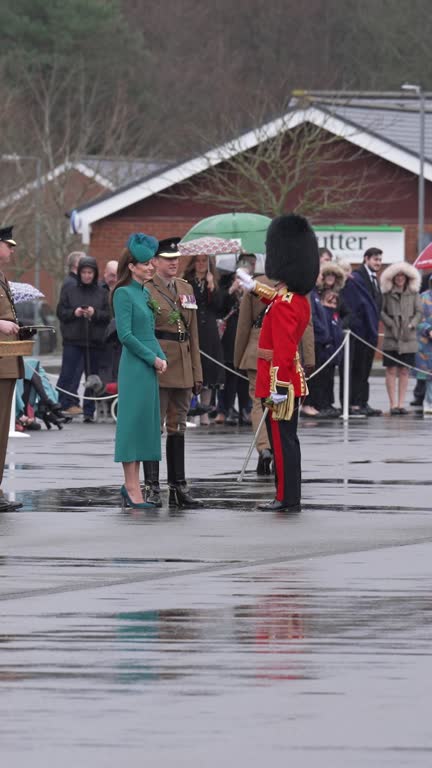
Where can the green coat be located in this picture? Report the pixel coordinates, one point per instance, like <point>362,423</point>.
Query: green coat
<point>138,434</point>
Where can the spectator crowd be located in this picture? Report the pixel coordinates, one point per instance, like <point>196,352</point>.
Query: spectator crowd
<point>394,303</point>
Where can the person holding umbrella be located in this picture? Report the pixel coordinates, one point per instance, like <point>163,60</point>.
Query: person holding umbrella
<point>293,262</point>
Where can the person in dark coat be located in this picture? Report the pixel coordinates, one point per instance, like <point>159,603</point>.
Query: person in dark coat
<point>201,274</point>
<point>321,398</point>
<point>84,313</point>
<point>362,294</point>
<point>110,360</point>
<point>318,385</point>
<point>235,386</point>
<point>330,305</point>
<point>71,263</point>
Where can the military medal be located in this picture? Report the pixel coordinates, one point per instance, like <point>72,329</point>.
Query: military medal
<point>188,301</point>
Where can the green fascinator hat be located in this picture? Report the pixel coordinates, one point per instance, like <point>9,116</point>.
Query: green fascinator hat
<point>142,247</point>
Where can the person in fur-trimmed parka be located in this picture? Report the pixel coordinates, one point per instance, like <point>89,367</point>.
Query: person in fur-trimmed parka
<point>331,276</point>
<point>401,312</point>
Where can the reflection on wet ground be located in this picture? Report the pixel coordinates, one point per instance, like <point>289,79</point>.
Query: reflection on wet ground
<point>324,656</point>
<point>222,635</point>
<point>220,492</point>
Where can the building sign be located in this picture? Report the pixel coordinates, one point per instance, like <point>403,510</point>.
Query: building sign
<point>350,243</point>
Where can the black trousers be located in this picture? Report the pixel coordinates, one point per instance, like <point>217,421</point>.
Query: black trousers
<point>321,388</point>
<point>287,456</point>
<point>420,389</point>
<point>360,371</point>
<point>234,385</point>
<point>77,360</point>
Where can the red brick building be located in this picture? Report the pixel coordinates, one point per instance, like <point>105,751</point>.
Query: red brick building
<point>37,209</point>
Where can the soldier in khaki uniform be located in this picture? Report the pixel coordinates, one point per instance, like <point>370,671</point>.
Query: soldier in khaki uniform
<point>11,368</point>
<point>176,329</point>
<point>245,357</point>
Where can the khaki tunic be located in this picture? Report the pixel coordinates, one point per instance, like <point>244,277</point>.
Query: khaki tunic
<point>10,367</point>
<point>246,343</point>
<point>184,364</point>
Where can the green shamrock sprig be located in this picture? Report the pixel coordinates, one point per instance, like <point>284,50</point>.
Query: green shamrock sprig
<point>174,317</point>
<point>154,306</point>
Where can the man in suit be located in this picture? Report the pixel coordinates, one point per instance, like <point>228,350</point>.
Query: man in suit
<point>362,294</point>
<point>11,368</point>
<point>175,309</point>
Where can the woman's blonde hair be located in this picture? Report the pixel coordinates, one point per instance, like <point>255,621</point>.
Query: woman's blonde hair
<point>189,271</point>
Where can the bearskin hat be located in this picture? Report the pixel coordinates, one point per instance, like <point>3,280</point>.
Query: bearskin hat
<point>292,255</point>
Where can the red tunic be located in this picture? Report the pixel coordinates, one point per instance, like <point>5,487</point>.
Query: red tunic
<point>283,326</point>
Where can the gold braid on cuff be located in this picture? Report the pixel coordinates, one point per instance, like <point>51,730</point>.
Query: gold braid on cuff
<point>281,411</point>
<point>264,291</point>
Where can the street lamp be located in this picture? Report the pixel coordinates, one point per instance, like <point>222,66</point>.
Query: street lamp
<point>14,158</point>
<point>418,90</point>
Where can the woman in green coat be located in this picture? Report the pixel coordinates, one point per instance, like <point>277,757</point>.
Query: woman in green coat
<point>138,436</point>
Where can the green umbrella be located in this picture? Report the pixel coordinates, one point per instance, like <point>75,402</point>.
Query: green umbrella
<point>250,228</point>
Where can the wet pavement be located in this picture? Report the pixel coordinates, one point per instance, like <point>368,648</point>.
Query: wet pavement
<point>196,637</point>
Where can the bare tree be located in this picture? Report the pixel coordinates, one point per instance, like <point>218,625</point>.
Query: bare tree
<point>284,166</point>
<point>67,123</point>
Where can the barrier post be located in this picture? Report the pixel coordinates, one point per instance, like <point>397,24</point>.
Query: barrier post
<point>12,431</point>
<point>346,383</point>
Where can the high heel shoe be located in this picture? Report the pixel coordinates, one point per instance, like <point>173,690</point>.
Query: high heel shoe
<point>126,501</point>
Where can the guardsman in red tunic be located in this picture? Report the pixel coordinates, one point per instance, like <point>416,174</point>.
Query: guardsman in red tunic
<point>292,259</point>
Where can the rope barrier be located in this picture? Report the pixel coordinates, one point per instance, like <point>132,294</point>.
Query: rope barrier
<point>65,391</point>
<point>209,357</point>
<point>324,365</point>
<point>242,376</point>
<point>385,354</point>
<point>85,397</point>
<point>348,334</point>
<point>231,370</point>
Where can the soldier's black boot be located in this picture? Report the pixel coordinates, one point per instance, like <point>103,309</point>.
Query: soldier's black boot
<point>264,462</point>
<point>151,479</point>
<point>179,495</point>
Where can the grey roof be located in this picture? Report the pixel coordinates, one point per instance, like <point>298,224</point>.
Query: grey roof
<point>390,118</point>
<point>395,120</point>
<point>122,171</point>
